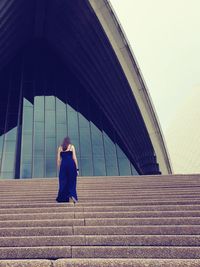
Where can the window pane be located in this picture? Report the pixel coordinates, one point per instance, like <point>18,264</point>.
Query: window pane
<point>50,103</point>
<point>111,156</point>
<point>38,167</point>
<point>39,126</point>
<point>133,170</point>
<point>26,144</point>
<point>110,148</point>
<point>9,146</point>
<point>8,162</point>
<point>50,127</point>
<point>72,122</point>
<point>27,118</point>
<point>86,167</point>
<point>99,166</point>
<point>11,135</point>
<point>38,143</point>
<point>124,166</point>
<point>26,159</point>
<point>27,141</point>
<point>39,103</point>
<point>50,147</point>
<point>97,142</point>
<point>38,115</point>
<point>85,142</point>
<point>111,165</point>
<point>61,116</point>
<point>7,175</point>
<point>123,161</point>
<point>50,166</point>
<point>1,149</point>
<point>26,171</point>
<point>83,122</point>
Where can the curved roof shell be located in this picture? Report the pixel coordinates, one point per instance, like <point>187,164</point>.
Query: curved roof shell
<point>87,36</point>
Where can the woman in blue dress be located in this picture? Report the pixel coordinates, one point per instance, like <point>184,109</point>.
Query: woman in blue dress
<point>68,171</point>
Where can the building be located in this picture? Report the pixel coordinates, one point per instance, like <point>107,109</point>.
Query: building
<point>67,69</point>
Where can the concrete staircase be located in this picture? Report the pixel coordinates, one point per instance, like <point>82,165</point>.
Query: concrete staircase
<point>119,221</point>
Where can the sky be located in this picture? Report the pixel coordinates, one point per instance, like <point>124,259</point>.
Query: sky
<point>165,39</point>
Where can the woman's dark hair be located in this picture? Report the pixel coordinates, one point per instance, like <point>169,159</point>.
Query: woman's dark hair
<point>65,143</point>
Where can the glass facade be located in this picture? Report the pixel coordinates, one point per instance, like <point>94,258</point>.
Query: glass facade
<point>46,122</point>
<point>44,105</point>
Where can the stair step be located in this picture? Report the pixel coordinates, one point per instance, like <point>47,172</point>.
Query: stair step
<point>99,222</point>
<point>102,240</point>
<point>102,230</point>
<point>138,230</point>
<point>125,263</point>
<point>101,199</point>
<point>93,203</point>
<point>109,214</point>
<point>101,263</point>
<point>43,252</point>
<point>77,208</point>
<point>137,214</point>
<point>74,208</point>
<point>82,215</point>
<point>136,252</point>
<point>29,263</point>
<point>41,223</point>
<point>143,221</point>
<point>118,221</point>
<point>36,231</point>
<point>56,252</point>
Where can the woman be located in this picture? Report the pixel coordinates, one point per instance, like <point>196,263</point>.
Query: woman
<point>68,164</point>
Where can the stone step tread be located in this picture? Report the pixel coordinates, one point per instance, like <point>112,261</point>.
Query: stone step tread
<point>36,231</point>
<point>112,184</point>
<point>139,214</point>
<point>41,223</point>
<point>98,187</point>
<point>143,221</point>
<point>103,215</point>
<point>136,252</point>
<point>95,222</point>
<point>103,240</point>
<point>102,263</point>
<point>77,208</point>
<point>31,263</point>
<point>56,252</point>
<point>119,190</point>
<point>128,187</point>
<point>105,199</point>
<point>138,230</point>
<point>102,194</point>
<point>102,230</point>
<point>125,263</point>
<point>159,220</point>
<point>97,204</point>
<point>95,195</point>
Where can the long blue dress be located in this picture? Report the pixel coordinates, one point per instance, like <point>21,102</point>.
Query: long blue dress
<point>67,178</point>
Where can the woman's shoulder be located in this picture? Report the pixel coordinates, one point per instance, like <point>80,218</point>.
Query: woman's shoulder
<point>72,147</point>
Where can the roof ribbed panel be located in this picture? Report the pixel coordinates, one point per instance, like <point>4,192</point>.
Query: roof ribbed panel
<point>72,29</point>
<point>16,26</point>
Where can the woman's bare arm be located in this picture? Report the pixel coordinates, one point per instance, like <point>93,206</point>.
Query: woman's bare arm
<point>74,156</point>
<point>58,157</point>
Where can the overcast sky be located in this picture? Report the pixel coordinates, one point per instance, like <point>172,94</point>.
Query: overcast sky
<point>165,38</point>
